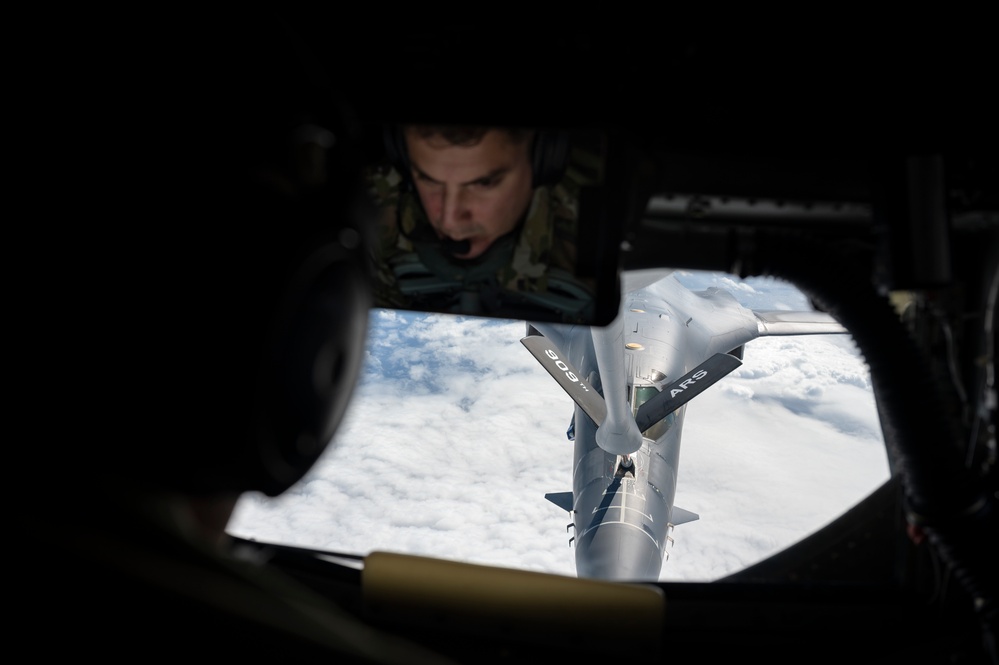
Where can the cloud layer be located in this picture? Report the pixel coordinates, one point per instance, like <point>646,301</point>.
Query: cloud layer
<point>455,433</point>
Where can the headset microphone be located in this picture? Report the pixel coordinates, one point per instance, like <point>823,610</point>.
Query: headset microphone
<point>456,246</point>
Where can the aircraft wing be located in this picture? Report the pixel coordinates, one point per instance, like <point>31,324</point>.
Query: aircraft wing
<point>779,322</point>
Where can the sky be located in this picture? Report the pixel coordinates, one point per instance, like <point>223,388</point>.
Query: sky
<point>455,433</point>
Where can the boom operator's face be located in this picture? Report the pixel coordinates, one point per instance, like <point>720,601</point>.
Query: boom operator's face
<point>474,192</point>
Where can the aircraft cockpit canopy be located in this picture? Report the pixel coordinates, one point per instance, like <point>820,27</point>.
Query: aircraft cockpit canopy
<point>642,394</point>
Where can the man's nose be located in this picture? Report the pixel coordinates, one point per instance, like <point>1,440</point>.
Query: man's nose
<point>454,210</point>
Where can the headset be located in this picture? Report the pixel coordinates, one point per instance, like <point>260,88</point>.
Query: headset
<point>229,328</point>
<point>549,154</point>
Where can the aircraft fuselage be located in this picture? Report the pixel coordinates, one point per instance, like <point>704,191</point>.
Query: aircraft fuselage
<point>666,345</point>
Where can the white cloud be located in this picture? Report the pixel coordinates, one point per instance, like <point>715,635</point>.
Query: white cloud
<point>456,433</point>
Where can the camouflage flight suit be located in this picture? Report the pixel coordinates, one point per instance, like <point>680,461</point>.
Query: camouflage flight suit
<point>523,274</point>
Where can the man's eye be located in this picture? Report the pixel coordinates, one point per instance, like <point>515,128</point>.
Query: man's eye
<point>486,183</point>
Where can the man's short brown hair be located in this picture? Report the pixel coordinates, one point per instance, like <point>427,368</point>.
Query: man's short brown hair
<point>467,135</point>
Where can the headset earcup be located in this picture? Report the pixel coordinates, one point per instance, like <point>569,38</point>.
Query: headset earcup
<point>550,157</point>
<point>312,368</point>
<point>395,150</point>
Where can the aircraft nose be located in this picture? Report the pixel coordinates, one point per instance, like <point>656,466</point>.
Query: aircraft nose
<point>618,551</point>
